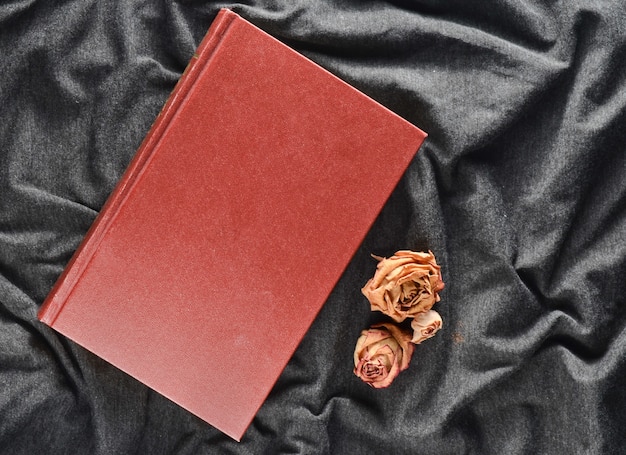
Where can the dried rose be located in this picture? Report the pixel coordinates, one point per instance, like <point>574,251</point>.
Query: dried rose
<point>425,326</point>
<point>381,353</point>
<point>404,285</point>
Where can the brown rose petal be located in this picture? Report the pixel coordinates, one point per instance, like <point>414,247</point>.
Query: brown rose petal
<point>425,325</point>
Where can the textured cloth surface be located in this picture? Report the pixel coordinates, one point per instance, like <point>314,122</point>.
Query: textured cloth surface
<point>519,190</point>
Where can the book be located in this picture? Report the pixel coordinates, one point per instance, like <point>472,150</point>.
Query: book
<point>238,214</point>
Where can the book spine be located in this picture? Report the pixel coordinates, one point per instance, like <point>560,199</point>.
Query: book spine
<point>61,290</point>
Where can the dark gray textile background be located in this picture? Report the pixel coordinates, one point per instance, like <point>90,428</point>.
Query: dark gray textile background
<point>519,191</point>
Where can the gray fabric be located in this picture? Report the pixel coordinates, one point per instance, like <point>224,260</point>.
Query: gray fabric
<point>519,191</point>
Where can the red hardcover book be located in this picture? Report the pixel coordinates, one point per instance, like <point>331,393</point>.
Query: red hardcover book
<point>232,224</point>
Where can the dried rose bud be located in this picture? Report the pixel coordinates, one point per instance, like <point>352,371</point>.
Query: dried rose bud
<point>425,325</point>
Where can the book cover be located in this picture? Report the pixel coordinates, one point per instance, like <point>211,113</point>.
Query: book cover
<point>260,166</point>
